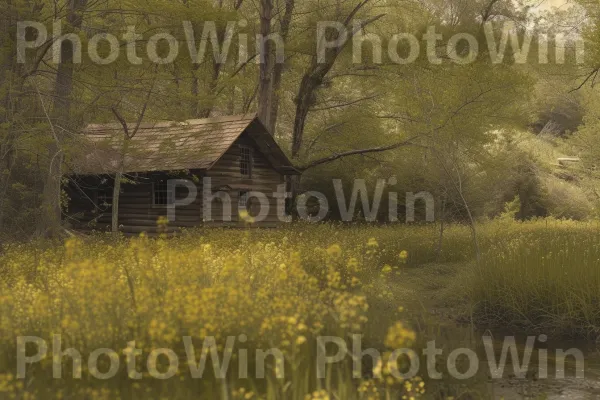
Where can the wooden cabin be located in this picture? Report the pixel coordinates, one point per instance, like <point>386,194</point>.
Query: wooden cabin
<point>237,153</point>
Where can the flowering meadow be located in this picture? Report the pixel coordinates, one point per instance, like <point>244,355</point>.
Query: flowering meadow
<point>104,293</point>
<point>245,292</point>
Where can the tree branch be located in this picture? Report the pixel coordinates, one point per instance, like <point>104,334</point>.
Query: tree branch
<point>350,103</point>
<point>143,113</point>
<point>594,73</point>
<point>379,149</point>
<point>121,120</point>
<point>140,117</point>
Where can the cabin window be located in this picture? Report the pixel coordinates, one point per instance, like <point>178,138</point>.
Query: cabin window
<point>160,193</point>
<point>105,198</point>
<point>246,161</point>
<point>243,199</point>
<point>102,197</point>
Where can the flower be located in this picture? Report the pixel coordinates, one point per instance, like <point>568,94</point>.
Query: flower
<point>300,340</point>
<point>372,243</point>
<point>334,251</point>
<point>246,217</point>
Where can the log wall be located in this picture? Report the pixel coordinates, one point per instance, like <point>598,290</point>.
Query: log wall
<point>137,213</point>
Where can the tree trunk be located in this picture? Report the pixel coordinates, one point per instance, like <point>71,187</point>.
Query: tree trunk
<point>276,87</point>
<point>51,212</point>
<point>127,136</point>
<point>115,202</point>
<point>304,101</point>
<point>116,197</point>
<point>279,67</point>
<point>293,187</point>
<point>51,197</point>
<point>12,88</point>
<point>442,227</point>
<point>4,185</point>
<point>195,90</point>
<point>474,236</point>
<point>6,155</point>
<point>471,219</point>
<point>51,207</point>
<point>64,73</point>
<point>207,109</point>
<point>315,76</point>
<point>266,63</point>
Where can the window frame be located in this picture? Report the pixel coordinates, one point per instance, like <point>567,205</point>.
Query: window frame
<point>156,190</point>
<point>100,196</point>
<point>105,196</point>
<point>241,195</point>
<point>249,161</point>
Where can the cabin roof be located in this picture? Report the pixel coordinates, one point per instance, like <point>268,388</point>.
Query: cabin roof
<point>171,146</point>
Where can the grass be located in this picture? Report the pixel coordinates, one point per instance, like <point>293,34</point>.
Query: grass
<point>283,289</point>
<point>539,276</point>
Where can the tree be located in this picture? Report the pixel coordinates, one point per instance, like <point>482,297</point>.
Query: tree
<point>327,108</point>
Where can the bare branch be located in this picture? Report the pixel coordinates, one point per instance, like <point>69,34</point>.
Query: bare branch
<point>380,149</point>
<point>120,119</point>
<point>350,103</point>
<point>593,74</point>
<point>144,108</point>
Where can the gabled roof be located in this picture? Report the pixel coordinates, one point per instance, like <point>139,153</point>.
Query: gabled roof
<point>171,146</point>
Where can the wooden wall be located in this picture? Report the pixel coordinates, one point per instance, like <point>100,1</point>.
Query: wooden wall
<point>264,179</point>
<point>137,213</point>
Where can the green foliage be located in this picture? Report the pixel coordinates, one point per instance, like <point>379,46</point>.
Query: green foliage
<point>449,113</point>
<point>565,200</point>
<point>587,140</point>
<point>511,209</point>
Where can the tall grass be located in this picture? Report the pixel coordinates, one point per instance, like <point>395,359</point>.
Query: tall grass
<point>542,276</point>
